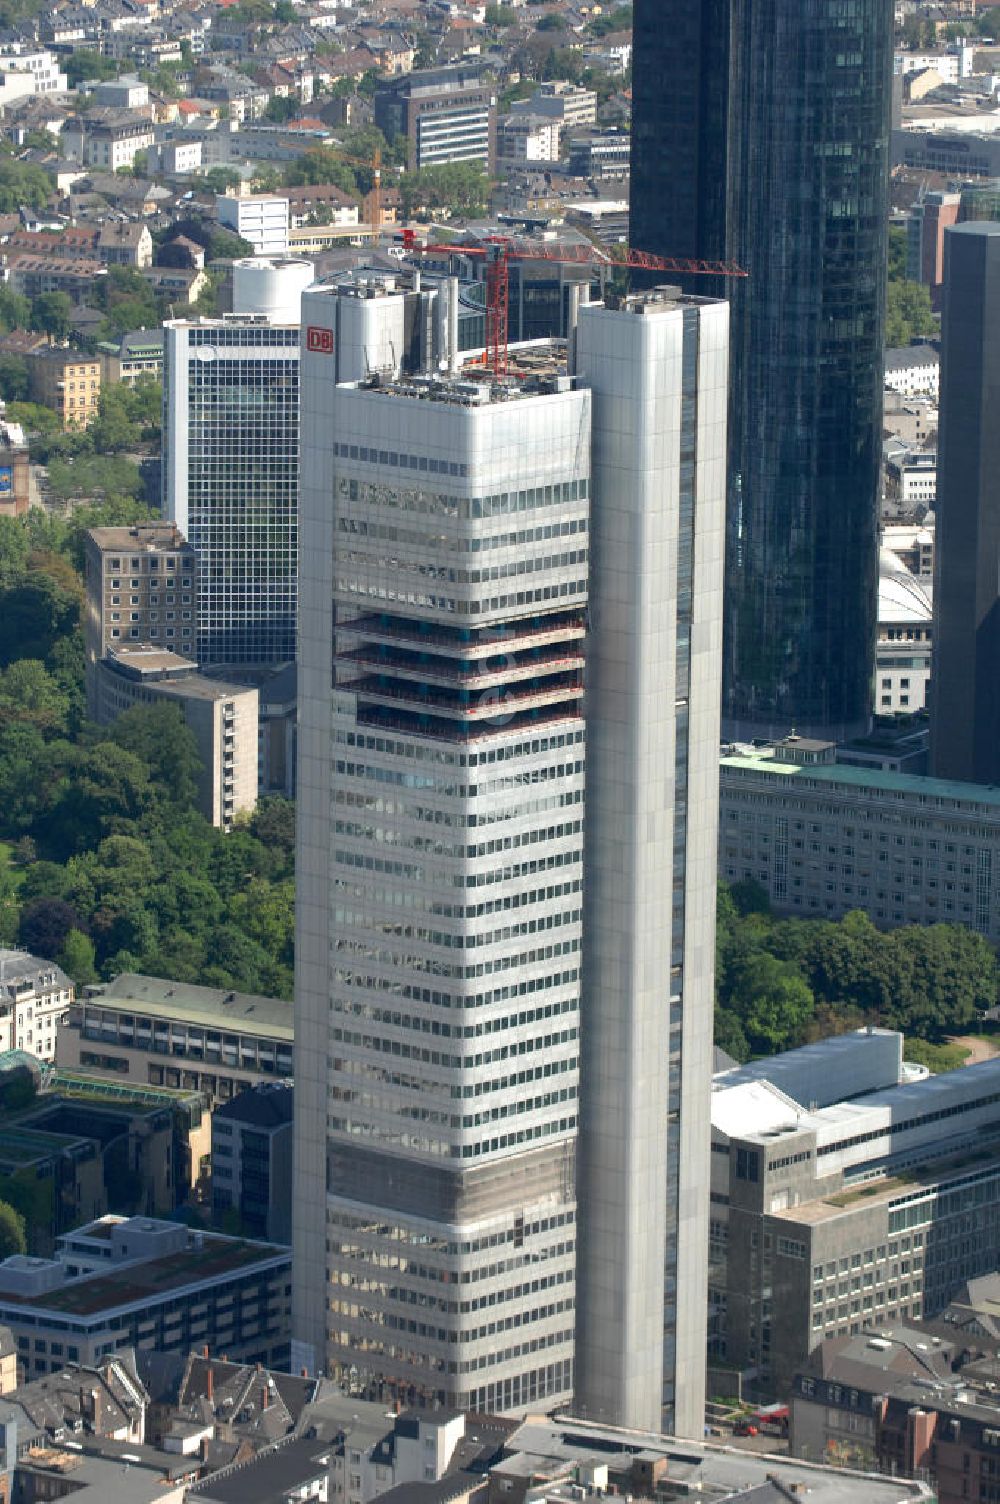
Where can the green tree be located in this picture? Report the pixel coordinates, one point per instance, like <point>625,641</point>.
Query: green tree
<point>12,1234</point>
<point>162,739</point>
<point>908,313</point>
<point>321,165</point>
<point>13,378</point>
<point>779,1006</point>
<point>15,310</point>
<point>15,546</point>
<point>897,254</point>
<point>44,925</point>
<point>52,314</point>
<point>30,694</point>
<point>21,183</point>
<point>282,107</point>
<point>77,958</point>
<point>85,65</point>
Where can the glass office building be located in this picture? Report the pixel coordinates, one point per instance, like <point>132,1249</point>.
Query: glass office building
<point>761,132</point>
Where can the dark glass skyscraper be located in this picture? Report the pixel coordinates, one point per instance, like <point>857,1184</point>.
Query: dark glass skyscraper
<point>965,677</point>
<point>761,133</point>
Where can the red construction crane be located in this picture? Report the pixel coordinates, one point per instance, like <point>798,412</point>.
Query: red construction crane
<point>499,250</point>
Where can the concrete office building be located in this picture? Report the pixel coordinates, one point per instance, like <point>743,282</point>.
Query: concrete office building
<point>438,1153</point>
<point>252,1160</point>
<point>905,629</point>
<point>139,1282</point>
<point>834,1212</point>
<point>141,588</point>
<point>140,1030</point>
<point>444,114</point>
<point>658,524</point>
<point>760,132</point>
<point>456,664</point>
<point>965,720</point>
<point>230,461</point>
<point>824,837</point>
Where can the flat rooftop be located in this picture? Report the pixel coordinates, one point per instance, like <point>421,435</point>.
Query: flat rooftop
<point>151,1280</point>
<point>887,1188</point>
<point>213,1007</point>
<point>707,1470</point>
<point>977,798</point>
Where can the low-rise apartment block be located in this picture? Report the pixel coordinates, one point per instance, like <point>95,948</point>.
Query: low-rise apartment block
<point>67,381</point>
<point>144,1029</point>
<point>833,1210</point>
<point>138,1282</point>
<point>107,139</point>
<point>823,837</point>
<point>35,999</point>
<point>222,716</point>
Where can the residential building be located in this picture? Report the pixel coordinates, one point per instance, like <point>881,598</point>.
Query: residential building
<point>293,1469</point>
<point>462,458</point>
<point>107,139</point>
<point>125,245</point>
<point>965,712</point>
<point>728,128</point>
<point>180,283</point>
<point>566,103</point>
<point>252,1161</point>
<point>830,1215</point>
<point>912,371</point>
<point>257,217</point>
<point>444,115</point>
<point>146,1030</point>
<point>32,275</point>
<point>134,357</point>
<point>887,1399</point>
<point>230,461</point>
<point>15,477</point>
<point>137,1282</point>
<point>905,631</point>
<point>66,380</point>
<point>35,998</point>
<point>141,588</point>
<point>824,837</point>
<point>222,716</point>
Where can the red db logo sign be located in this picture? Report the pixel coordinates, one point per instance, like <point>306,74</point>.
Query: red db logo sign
<point>320,340</point>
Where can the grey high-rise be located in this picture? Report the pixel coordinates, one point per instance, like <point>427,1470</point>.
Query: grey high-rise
<point>965,677</point>
<point>760,133</point>
<point>463,1012</point>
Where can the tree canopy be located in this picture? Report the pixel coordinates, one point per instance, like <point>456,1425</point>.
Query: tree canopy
<point>117,869</point>
<point>783,982</point>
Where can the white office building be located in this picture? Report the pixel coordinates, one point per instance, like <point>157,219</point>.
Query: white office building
<point>230,461</point>
<point>442,944</point>
<point>258,217</point>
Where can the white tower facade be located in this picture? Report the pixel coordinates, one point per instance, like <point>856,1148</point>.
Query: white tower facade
<point>482,983</point>
<point>657,371</point>
<point>440,881</point>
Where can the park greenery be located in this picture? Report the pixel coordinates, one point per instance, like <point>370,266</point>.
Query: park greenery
<point>908,314</point>
<point>111,867</point>
<point>782,982</point>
